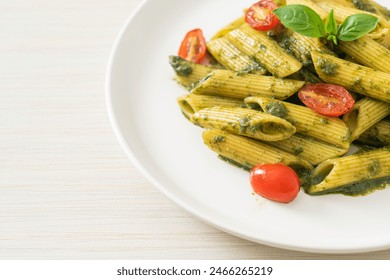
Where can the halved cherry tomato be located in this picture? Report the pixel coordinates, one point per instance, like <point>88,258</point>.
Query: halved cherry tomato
<point>260,16</point>
<point>326,99</point>
<point>277,182</point>
<point>193,47</point>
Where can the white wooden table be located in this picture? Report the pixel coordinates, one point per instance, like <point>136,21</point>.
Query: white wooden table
<point>67,190</point>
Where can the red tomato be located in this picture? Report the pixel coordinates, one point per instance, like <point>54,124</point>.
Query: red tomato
<point>193,47</point>
<point>326,99</point>
<point>260,16</point>
<point>276,182</point>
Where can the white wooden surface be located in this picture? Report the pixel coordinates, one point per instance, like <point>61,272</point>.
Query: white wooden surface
<point>67,191</point>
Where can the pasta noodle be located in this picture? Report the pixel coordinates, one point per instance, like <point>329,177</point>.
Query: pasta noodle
<point>368,52</point>
<point>248,152</point>
<point>378,135</point>
<point>232,58</point>
<point>247,106</point>
<point>263,49</point>
<point>306,121</point>
<point>192,103</point>
<point>245,122</point>
<point>229,84</point>
<point>361,79</point>
<point>351,174</point>
<point>366,113</point>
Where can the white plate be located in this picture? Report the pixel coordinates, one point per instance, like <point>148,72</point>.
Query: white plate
<point>141,96</point>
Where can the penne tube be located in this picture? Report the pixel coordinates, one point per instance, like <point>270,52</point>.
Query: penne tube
<point>247,153</point>
<point>306,121</point>
<point>357,174</point>
<point>301,46</point>
<point>365,114</point>
<point>229,84</point>
<point>342,12</point>
<point>378,135</point>
<point>192,103</point>
<point>230,27</point>
<point>232,58</point>
<point>309,149</point>
<point>368,52</point>
<point>311,4</point>
<point>369,6</point>
<point>187,72</point>
<point>265,50</point>
<point>244,122</point>
<point>354,77</point>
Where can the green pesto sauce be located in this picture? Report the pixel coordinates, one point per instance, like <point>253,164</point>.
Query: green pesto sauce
<point>328,67</point>
<point>303,174</point>
<point>246,166</point>
<point>309,77</point>
<point>347,138</point>
<point>277,109</point>
<point>364,6</point>
<point>361,188</point>
<point>324,121</point>
<point>374,168</point>
<point>219,139</point>
<point>244,124</point>
<point>252,67</point>
<point>182,67</point>
<point>298,150</point>
<point>200,82</point>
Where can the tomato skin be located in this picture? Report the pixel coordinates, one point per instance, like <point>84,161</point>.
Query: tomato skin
<point>327,99</point>
<point>276,182</point>
<point>260,17</point>
<point>193,46</point>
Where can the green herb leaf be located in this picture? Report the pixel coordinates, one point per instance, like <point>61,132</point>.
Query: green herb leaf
<point>331,24</point>
<point>356,26</point>
<point>302,20</point>
<point>332,38</point>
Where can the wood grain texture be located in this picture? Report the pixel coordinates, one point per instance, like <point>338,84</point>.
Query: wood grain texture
<point>67,191</point>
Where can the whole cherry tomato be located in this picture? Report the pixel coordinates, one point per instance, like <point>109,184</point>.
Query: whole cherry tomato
<point>326,99</point>
<point>260,16</point>
<point>193,46</point>
<point>277,182</point>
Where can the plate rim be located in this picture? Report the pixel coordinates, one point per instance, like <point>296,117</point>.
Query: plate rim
<point>170,195</point>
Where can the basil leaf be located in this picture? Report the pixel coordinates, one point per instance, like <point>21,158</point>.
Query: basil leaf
<point>331,24</point>
<point>356,26</point>
<point>302,20</point>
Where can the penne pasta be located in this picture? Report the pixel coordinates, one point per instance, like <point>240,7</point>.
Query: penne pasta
<point>342,12</point>
<point>368,52</point>
<point>265,50</point>
<point>192,103</point>
<point>306,121</point>
<point>309,149</point>
<point>366,113</point>
<point>232,58</point>
<point>245,122</point>
<point>378,135</point>
<point>357,174</point>
<point>247,153</point>
<point>361,79</point>
<point>188,73</point>
<point>301,46</point>
<point>230,27</point>
<point>230,84</point>
<point>311,4</point>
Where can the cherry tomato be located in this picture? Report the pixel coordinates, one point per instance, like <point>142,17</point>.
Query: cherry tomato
<point>326,99</point>
<point>193,47</point>
<point>260,16</point>
<point>277,182</point>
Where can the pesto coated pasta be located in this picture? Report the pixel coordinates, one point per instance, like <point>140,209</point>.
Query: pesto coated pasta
<point>254,94</point>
